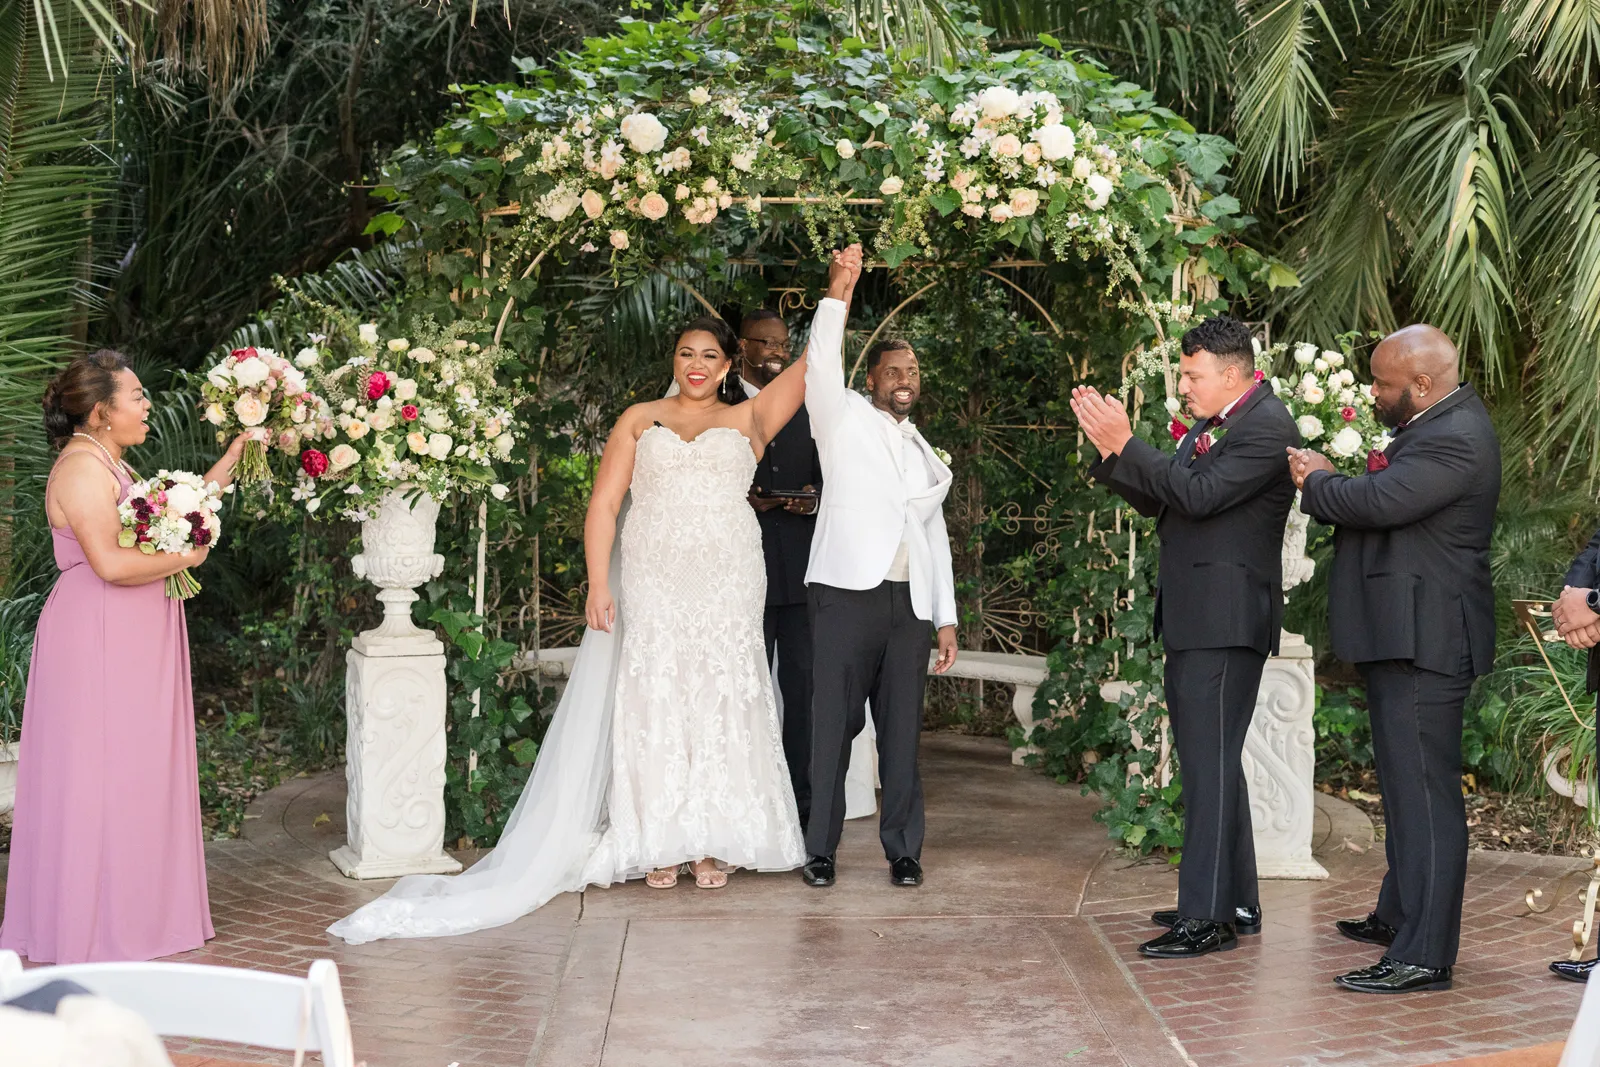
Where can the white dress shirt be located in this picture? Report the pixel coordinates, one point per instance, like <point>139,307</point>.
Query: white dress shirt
<point>918,479</point>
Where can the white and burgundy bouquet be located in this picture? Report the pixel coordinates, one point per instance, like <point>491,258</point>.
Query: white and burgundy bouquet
<point>1333,410</point>
<point>255,388</point>
<point>423,411</point>
<point>173,512</point>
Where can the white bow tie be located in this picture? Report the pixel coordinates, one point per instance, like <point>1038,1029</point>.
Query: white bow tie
<point>907,428</point>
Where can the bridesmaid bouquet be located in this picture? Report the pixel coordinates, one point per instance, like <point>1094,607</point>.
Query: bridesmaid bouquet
<point>254,388</point>
<point>172,512</point>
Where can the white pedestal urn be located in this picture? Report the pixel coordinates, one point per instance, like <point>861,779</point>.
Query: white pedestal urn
<point>395,706</point>
<point>1280,749</point>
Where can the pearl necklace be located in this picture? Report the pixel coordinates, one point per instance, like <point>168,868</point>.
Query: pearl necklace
<point>117,463</point>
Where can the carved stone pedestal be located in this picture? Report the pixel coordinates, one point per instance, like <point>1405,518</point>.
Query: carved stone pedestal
<point>1280,761</point>
<point>395,707</point>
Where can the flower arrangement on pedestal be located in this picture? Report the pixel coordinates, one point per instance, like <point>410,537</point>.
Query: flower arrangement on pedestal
<point>395,412</point>
<point>1333,411</point>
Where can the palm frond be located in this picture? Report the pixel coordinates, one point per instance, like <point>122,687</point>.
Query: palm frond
<point>1564,34</point>
<point>921,27</point>
<point>1281,95</point>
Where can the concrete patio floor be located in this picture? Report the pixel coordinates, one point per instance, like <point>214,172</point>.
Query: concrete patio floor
<point>1020,949</point>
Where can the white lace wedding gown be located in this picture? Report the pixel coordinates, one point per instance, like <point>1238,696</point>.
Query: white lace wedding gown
<point>666,745</point>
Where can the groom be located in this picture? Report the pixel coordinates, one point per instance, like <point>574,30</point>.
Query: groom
<point>880,580</point>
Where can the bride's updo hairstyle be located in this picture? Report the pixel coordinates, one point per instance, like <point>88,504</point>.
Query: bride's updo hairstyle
<point>72,395</point>
<point>731,391</point>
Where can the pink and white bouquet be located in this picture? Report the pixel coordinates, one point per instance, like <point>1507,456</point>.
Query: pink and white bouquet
<point>173,512</point>
<point>255,388</point>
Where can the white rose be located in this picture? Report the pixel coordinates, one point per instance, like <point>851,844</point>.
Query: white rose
<point>368,332</point>
<point>1024,202</point>
<point>215,415</point>
<point>619,240</point>
<point>417,441</point>
<point>219,376</point>
<point>251,411</point>
<point>406,388</point>
<point>891,186</point>
<point>342,457</point>
<point>845,149</point>
<point>743,160</point>
<point>1056,141</point>
<point>440,444</point>
<point>1173,404</point>
<point>1320,365</point>
<point>1313,394</point>
<point>1332,358</point>
<point>998,102</point>
<point>1346,443</point>
<point>593,203</point>
<point>1305,353</point>
<point>436,420</point>
<point>1006,146</point>
<point>1032,154</point>
<point>1347,397</point>
<point>644,133</point>
<point>1100,191</point>
<point>183,498</point>
<point>1082,167</point>
<point>349,405</point>
<point>1347,377</point>
<point>1310,427</point>
<point>498,491</point>
<point>972,210</point>
<point>654,206</point>
<point>355,429</point>
<point>504,444</point>
<point>250,372</point>
<point>699,96</point>
<point>558,203</point>
<point>381,420</point>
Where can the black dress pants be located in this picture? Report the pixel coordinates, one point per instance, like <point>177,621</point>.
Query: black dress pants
<point>1416,744</point>
<point>1211,697</point>
<point>869,645</point>
<point>788,629</point>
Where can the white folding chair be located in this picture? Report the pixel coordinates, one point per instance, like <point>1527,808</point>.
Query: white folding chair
<point>275,1011</point>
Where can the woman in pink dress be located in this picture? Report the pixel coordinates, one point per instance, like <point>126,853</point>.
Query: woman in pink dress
<point>106,855</point>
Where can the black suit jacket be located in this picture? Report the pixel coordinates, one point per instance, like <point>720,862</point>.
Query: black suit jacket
<point>790,462</point>
<point>1585,574</point>
<point>1220,518</point>
<point>1410,578</point>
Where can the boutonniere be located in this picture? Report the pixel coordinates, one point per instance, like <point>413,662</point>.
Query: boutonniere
<point>1206,441</point>
<point>944,457</point>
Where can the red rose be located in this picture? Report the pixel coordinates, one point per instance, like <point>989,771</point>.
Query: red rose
<point>1261,375</point>
<point>314,463</point>
<point>242,353</point>
<point>1178,430</point>
<point>409,412</point>
<point>377,385</point>
<point>141,528</point>
<point>1348,414</point>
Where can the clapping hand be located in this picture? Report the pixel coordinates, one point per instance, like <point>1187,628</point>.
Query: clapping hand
<point>1302,461</point>
<point>1104,420</point>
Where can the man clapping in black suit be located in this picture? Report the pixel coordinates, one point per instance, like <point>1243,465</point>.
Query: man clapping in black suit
<point>1411,604</point>
<point>1220,503</point>
<point>1577,618</point>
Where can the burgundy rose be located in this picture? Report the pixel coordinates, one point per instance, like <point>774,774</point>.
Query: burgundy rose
<point>201,536</point>
<point>1347,414</point>
<point>1178,430</point>
<point>409,412</point>
<point>377,385</point>
<point>314,463</point>
<point>1261,375</point>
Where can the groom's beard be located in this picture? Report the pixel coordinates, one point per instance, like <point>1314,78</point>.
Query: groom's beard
<point>1402,412</point>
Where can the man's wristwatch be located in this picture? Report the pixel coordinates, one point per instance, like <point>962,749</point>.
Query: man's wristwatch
<point>1593,600</point>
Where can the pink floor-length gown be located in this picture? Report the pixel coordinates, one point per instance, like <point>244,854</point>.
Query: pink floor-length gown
<point>107,861</point>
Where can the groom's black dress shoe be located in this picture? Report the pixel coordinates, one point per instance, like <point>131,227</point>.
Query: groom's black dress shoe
<point>1391,976</point>
<point>1246,920</point>
<point>818,871</point>
<point>1192,937</point>
<point>905,871</point>
<point>1573,972</point>
<point>1371,930</point>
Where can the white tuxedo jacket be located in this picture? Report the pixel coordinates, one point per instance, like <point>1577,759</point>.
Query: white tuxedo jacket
<point>866,510</point>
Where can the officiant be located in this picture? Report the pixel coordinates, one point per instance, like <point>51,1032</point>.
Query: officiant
<point>784,495</point>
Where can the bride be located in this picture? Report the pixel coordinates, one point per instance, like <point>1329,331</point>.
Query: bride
<point>665,749</point>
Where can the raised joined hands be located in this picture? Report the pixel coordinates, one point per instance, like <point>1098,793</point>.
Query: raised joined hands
<point>844,272</point>
<point>1104,420</point>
